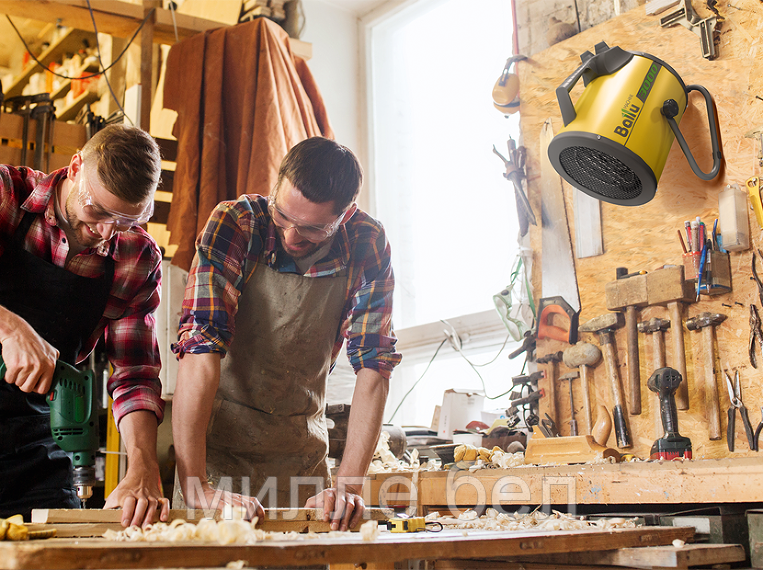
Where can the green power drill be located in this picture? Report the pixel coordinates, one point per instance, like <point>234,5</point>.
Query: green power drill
<point>73,421</point>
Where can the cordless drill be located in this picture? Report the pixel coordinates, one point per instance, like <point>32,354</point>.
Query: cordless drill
<point>73,421</point>
<point>672,445</point>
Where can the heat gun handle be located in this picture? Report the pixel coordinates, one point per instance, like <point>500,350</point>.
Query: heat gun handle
<point>713,124</point>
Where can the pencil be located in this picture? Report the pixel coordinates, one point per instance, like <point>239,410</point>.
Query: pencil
<point>681,237</point>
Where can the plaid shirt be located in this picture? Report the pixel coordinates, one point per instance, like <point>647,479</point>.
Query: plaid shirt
<point>128,319</point>
<point>240,235</point>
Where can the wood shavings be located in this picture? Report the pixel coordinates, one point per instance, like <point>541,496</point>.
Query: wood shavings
<point>384,460</point>
<point>208,530</point>
<point>236,564</point>
<point>369,531</point>
<point>678,543</point>
<point>537,520</point>
<point>469,515</point>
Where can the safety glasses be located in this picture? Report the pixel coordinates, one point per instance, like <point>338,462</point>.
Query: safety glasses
<point>100,214</point>
<point>312,233</point>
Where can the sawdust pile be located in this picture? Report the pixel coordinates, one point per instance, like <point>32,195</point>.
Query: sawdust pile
<point>537,520</point>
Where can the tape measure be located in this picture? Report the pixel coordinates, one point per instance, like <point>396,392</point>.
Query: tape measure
<point>412,524</point>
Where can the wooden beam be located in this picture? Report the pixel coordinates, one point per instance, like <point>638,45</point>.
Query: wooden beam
<point>146,62</point>
<point>121,19</point>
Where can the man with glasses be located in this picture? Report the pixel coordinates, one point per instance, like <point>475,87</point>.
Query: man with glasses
<point>276,286</point>
<point>74,264</point>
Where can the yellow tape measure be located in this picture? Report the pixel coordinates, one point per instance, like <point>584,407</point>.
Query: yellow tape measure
<point>412,524</point>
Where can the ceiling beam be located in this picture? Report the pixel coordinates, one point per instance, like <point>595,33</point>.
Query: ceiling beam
<point>112,17</point>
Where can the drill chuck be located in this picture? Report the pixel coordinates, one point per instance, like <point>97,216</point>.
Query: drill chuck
<point>84,481</point>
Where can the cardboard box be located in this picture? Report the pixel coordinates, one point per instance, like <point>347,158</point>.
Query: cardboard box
<point>459,407</point>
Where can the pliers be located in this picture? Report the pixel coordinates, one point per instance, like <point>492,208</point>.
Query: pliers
<point>735,403</point>
<point>755,334</point>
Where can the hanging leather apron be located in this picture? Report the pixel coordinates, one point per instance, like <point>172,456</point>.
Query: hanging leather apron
<point>268,417</point>
<point>64,309</point>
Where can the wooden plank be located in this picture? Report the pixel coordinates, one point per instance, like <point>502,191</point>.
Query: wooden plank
<point>167,181</point>
<point>77,530</point>
<point>168,148</point>
<point>65,554</point>
<point>64,134</point>
<point>511,565</point>
<point>699,481</point>
<point>120,19</point>
<point>51,516</point>
<point>653,556</point>
<point>161,212</point>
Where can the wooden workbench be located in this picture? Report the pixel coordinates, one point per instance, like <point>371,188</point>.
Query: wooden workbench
<point>708,481</point>
<point>65,554</point>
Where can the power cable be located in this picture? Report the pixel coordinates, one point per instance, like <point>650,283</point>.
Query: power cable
<point>456,344</point>
<point>100,61</point>
<point>431,360</point>
<point>113,63</point>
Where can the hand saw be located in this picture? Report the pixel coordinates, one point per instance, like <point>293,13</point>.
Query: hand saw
<point>559,283</point>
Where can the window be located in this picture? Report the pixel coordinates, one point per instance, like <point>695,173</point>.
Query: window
<point>439,191</point>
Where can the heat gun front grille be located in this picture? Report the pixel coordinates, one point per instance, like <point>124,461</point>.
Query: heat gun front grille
<point>600,173</point>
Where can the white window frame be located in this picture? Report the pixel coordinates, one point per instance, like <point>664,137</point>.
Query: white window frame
<point>476,330</point>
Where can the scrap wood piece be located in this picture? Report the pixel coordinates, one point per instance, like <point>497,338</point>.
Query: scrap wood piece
<point>649,557</point>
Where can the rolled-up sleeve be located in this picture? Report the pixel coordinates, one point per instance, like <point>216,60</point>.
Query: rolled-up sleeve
<point>132,347</point>
<point>227,246</point>
<point>371,340</point>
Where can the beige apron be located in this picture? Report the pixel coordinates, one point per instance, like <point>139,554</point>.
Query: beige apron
<point>268,424</point>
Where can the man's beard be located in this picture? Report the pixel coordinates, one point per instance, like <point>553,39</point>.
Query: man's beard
<point>80,230</point>
<point>310,247</point>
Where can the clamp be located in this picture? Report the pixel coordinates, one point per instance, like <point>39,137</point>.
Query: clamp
<point>705,29</point>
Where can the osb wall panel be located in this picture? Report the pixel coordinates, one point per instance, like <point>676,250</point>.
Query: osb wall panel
<point>645,237</point>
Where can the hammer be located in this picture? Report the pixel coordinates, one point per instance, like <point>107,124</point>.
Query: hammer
<point>604,326</point>
<point>668,287</point>
<point>655,327</point>
<point>628,293</point>
<point>570,376</point>
<point>583,355</point>
<point>707,322</point>
<point>553,359</point>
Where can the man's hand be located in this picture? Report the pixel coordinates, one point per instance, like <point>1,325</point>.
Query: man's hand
<point>217,499</point>
<point>344,509</point>
<point>139,496</point>
<point>30,360</point>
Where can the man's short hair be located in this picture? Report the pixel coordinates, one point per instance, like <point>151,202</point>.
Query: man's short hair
<point>127,160</point>
<point>324,171</point>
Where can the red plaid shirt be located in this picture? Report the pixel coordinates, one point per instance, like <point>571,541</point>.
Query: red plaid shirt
<point>128,321</point>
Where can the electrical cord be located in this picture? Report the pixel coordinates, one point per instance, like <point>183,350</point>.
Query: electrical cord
<point>431,360</point>
<point>100,63</point>
<point>455,341</point>
<point>113,63</point>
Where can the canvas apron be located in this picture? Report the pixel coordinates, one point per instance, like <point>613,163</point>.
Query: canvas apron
<point>268,424</point>
<point>64,309</point>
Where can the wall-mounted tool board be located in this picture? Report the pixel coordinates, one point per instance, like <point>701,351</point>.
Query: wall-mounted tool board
<point>645,237</point>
